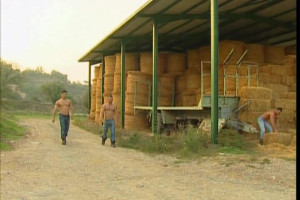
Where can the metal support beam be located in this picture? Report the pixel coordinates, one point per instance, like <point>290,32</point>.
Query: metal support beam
<point>214,70</point>
<point>123,49</point>
<point>154,77</point>
<point>89,101</point>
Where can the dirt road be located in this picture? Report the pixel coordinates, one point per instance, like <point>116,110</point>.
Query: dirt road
<point>41,168</point>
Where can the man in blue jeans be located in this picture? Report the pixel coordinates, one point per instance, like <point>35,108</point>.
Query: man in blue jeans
<point>65,110</point>
<point>109,119</point>
<point>268,120</point>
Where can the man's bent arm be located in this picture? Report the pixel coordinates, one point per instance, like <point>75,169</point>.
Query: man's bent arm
<point>54,112</point>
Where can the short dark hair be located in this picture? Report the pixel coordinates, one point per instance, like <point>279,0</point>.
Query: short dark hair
<point>110,95</point>
<point>64,91</point>
<point>279,108</point>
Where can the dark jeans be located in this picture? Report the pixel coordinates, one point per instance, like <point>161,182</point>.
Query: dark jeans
<point>64,125</point>
<point>109,124</point>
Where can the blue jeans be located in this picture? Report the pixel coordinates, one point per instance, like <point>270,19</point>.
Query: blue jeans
<point>109,124</point>
<point>262,124</point>
<point>64,125</point>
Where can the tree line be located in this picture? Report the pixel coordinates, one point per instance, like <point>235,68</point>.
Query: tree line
<point>38,86</point>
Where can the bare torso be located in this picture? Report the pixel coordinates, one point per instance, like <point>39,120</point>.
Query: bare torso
<point>64,106</point>
<point>109,111</point>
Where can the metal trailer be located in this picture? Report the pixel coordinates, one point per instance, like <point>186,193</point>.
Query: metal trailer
<point>170,116</point>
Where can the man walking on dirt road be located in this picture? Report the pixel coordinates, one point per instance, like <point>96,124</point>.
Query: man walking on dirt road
<point>65,111</point>
<point>263,122</point>
<point>109,119</point>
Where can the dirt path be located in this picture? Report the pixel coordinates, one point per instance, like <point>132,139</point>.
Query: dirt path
<point>41,168</point>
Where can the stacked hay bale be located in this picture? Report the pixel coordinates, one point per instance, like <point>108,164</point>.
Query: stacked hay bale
<point>98,86</point>
<point>146,62</point>
<point>287,119</point>
<point>274,54</point>
<point>93,94</point>
<point>180,85</point>
<point>110,62</point>
<point>260,101</point>
<point>291,50</point>
<point>255,54</point>
<point>176,63</point>
<point>193,83</point>
<point>279,138</point>
<point>131,64</point>
<point>140,81</point>
<point>166,84</point>
<point>193,59</point>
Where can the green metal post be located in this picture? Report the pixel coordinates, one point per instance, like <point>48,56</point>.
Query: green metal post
<point>214,68</point>
<point>89,101</point>
<point>102,78</point>
<point>122,83</point>
<point>154,77</point>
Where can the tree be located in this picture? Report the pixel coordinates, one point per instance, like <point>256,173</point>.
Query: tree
<point>52,91</point>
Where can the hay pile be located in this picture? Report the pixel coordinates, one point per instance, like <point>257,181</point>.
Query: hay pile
<point>274,54</point>
<point>260,101</point>
<point>278,137</point>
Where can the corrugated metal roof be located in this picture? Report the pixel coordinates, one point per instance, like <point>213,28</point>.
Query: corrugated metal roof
<point>185,24</point>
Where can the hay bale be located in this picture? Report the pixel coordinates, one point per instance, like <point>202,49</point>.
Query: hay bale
<point>288,95</point>
<point>264,78</point>
<point>274,54</point>
<point>260,105</point>
<point>193,59</point>
<point>164,101</point>
<point>108,83</point>
<point>294,141</point>
<point>166,83</point>
<point>132,62</point>
<point>110,62</point>
<point>189,97</point>
<point>225,46</point>
<point>277,89</point>
<point>97,71</point>
<point>291,50</point>
<point>180,83</point>
<point>281,70</point>
<point>292,131</point>
<point>286,104</point>
<point>146,63</point>
<point>265,68</point>
<point>255,93</point>
<point>249,117</point>
<point>278,137</point>
<point>141,80</point>
<point>255,53</point>
<point>193,79</point>
<point>245,70</point>
<point>176,63</point>
<point>204,53</point>
<point>178,99</point>
<point>135,122</point>
<point>290,60</point>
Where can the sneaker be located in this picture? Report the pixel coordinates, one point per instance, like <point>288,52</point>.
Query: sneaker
<point>103,141</point>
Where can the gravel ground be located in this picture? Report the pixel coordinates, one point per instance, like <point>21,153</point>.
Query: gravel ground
<point>41,168</point>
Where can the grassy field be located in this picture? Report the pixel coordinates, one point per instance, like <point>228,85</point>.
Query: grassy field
<point>188,143</point>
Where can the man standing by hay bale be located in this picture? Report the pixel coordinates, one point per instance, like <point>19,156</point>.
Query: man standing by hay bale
<point>264,119</point>
<point>109,119</point>
<point>65,110</point>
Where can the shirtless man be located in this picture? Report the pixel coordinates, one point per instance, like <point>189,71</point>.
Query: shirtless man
<point>65,111</point>
<point>109,119</point>
<point>263,121</point>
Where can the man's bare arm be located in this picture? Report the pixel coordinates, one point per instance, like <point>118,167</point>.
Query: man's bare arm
<point>54,112</point>
<point>102,114</point>
<point>116,115</point>
<point>272,120</point>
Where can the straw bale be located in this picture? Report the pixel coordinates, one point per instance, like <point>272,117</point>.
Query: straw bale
<point>290,60</point>
<point>255,53</point>
<point>193,79</point>
<point>291,50</point>
<point>146,63</point>
<point>256,93</point>
<point>277,89</point>
<point>249,117</point>
<point>288,80</point>
<point>244,82</point>
<point>142,80</point>
<point>176,62</point>
<point>292,87</point>
<point>97,117</point>
<point>294,141</point>
<point>287,125</point>
<point>204,53</point>
<point>189,97</point>
<point>225,46</point>
<point>108,83</point>
<point>286,104</point>
<point>265,68</point>
<point>178,99</point>
<point>281,70</point>
<point>264,78</point>
<point>292,131</point>
<point>132,62</point>
<point>140,100</point>
<point>274,54</point>
<point>243,70</point>
<point>97,71</point>
<point>193,59</point>
<point>278,137</point>
<point>136,122</point>
<point>231,70</point>
<point>110,62</point>
<point>117,82</point>
<point>180,83</point>
<point>276,79</point>
<point>166,84</point>
<point>288,95</point>
<point>164,101</point>
<point>91,116</point>
<point>260,105</point>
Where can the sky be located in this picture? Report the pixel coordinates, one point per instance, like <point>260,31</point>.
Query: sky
<point>55,34</point>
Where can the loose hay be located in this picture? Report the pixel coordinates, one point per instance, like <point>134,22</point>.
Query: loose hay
<point>278,137</point>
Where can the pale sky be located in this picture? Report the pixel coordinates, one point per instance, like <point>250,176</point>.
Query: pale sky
<point>54,34</point>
